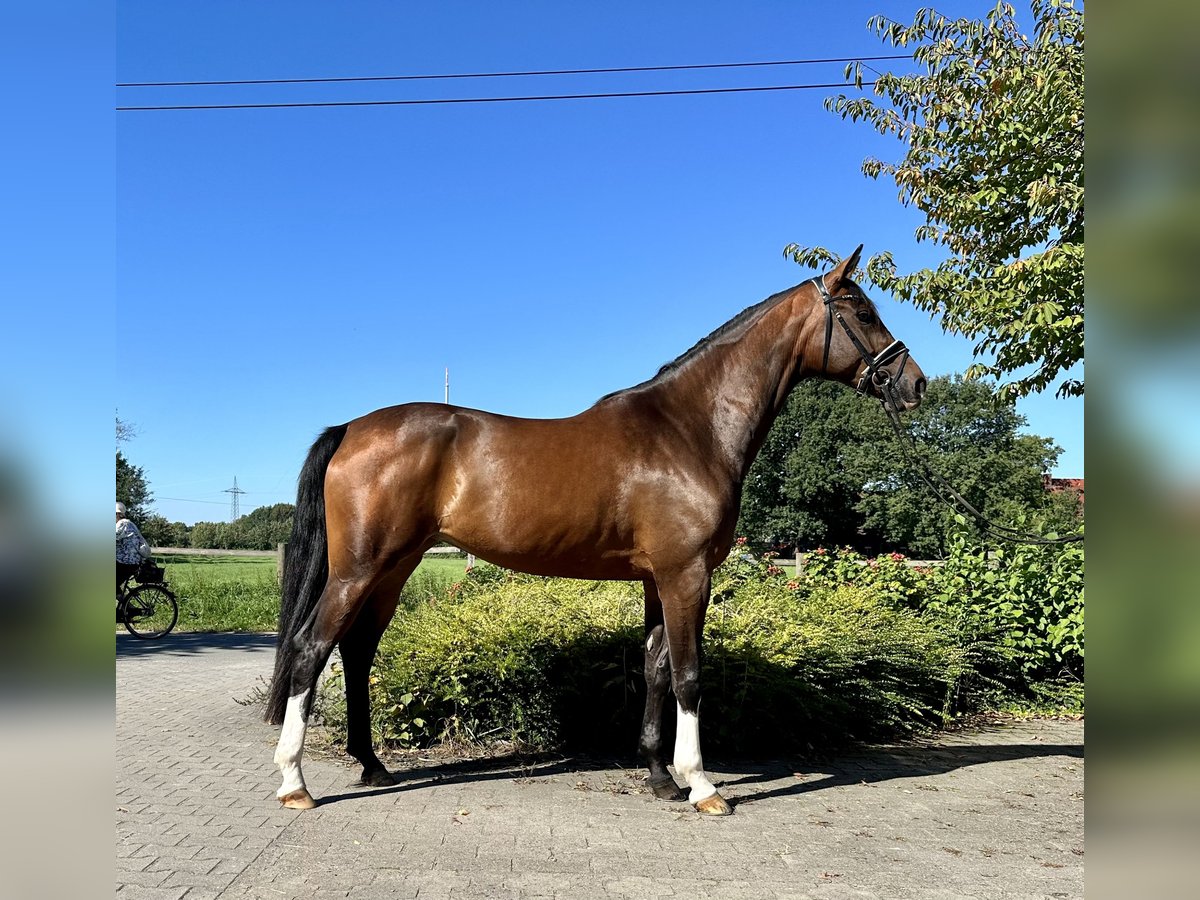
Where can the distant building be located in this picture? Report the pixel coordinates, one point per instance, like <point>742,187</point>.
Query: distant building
<point>1059,485</point>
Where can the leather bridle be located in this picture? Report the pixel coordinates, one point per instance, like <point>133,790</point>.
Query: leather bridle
<point>876,375</point>
<point>875,372</point>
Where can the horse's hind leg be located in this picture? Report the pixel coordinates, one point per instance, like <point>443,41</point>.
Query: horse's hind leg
<point>357,650</point>
<point>658,682</point>
<point>335,611</point>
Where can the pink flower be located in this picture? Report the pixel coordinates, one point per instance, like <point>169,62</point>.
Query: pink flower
<point>742,541</point>
<point>896,557</point>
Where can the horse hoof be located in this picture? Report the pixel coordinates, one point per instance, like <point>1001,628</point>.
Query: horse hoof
<point>667,789</point>
<point>713,806</point>
<point>300,799</point>
<point>377,778</point>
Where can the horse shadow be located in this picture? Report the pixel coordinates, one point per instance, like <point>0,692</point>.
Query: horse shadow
<point>871,765</point>
<point>876,765</point>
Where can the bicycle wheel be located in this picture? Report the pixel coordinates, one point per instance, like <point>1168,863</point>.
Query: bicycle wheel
<point>150,611</point>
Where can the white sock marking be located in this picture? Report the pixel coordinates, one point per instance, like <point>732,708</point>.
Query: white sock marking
<point>688,762</point>
<point>291,746</point>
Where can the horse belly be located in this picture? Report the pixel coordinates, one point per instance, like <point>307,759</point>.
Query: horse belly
<point>567,527</point>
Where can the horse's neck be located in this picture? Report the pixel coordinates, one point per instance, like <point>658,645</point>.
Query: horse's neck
<point>730,394</point>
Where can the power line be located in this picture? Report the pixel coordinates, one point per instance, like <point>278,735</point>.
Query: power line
<point>610,70</point>
<point>680,93</point>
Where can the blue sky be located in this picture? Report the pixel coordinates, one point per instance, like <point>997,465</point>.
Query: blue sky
<point>281,270</point>
<point>57,262</point>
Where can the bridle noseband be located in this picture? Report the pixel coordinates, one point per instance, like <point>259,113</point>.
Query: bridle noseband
<point>875,373</point>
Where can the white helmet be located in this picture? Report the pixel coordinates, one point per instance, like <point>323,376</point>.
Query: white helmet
<point>120,509</point>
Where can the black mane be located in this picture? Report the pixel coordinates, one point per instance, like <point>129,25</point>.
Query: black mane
<point>742,319</point>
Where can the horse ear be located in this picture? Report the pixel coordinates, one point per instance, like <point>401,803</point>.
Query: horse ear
<point>844,269</point>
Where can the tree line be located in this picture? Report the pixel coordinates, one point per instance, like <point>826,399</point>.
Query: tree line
<point>262,529</point>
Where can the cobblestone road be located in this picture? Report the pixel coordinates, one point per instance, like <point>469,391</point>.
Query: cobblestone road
<point>996,813</point>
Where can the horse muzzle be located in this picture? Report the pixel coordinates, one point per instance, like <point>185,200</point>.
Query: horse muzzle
<point>899,392</point>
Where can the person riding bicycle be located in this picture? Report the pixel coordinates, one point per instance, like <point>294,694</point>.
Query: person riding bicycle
<point>132,548</point>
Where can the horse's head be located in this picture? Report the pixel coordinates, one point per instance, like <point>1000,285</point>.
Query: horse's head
<point>854,345</point>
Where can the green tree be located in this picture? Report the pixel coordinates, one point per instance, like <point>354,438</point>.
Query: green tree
<point>831,473</point>
<point>178,535</point>
<point>132,488</point>
<point>157,530</point>
<point>993,124</point>
<point>973,436</point>
<point>261,529</point>
<point>161,533</point>
<point>208,535</point>
<point>802,488</point>
<point>269,525</point>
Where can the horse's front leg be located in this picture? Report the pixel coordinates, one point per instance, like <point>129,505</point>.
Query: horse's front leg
<point>657,670</point>
<point>685,600</point>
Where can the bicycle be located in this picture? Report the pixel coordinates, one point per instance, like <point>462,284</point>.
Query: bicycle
<point>151,609</point>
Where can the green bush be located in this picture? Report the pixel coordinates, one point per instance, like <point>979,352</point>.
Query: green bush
<point>892,579</point>
<point>1020,607</point>
<point>501,656</point>
<point>557,662</point>
<point>852,649</point>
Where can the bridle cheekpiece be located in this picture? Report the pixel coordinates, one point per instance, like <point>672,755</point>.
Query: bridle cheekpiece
<point>875,373</point>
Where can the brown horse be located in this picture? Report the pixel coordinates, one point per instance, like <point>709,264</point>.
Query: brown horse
<point>645,485</point>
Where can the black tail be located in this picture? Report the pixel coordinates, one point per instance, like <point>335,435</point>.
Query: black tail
<point>306,565</point>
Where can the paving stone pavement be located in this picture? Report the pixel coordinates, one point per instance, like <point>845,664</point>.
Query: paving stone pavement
<point>994,813</point>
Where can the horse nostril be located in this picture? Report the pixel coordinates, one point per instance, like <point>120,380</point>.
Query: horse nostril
<point>919,387</point>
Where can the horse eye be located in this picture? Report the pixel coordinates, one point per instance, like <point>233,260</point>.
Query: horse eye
<point>864,317</point>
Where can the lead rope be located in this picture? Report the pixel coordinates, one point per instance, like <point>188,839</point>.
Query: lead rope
<point>1001,532</point>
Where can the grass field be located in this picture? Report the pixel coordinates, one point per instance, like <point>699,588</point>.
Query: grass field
<point>241,593</point>
<point>238,593</point>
